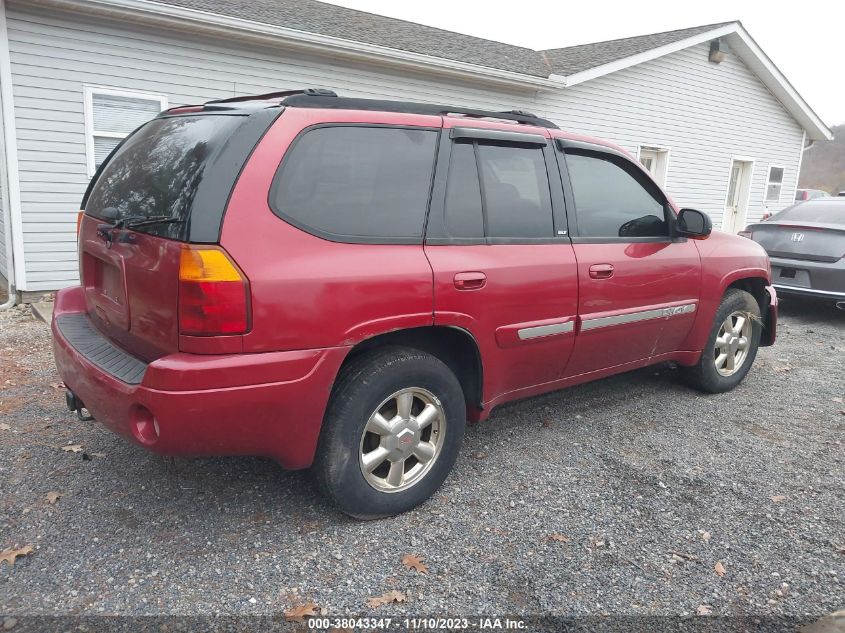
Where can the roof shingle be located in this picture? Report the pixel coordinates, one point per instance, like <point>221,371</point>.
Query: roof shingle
<point>331,20</point>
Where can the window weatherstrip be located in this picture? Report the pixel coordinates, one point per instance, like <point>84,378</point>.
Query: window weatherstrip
<point>634,317</point>
<point>527,333</point>
<point>497,135</point>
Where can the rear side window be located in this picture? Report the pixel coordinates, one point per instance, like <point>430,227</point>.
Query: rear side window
<point>614,199</point>
<point>156,172</point>
<point>357,183</point>
<point>516,191</point>
<point>516,202</point>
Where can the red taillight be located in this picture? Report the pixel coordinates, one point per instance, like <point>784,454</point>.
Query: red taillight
<point>213,293</point>
<point>748,234</point>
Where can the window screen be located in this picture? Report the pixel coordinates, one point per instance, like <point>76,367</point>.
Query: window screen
<point>611,201</point>
<point>357,182</point>
<point>516,191</point>
<point>113,117</point>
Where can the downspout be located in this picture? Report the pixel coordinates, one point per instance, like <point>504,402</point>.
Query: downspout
<point>7,113</point>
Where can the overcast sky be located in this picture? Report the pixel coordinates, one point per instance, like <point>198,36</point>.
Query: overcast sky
<point>805,39</point>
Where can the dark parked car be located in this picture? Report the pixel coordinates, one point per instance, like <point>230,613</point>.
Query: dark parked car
<point>343,283</point>
<point>806,244</point>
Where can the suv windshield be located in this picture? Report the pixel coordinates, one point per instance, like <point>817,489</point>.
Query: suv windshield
<point>152,178</point>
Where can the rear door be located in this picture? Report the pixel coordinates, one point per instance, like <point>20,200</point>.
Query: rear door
<point>638,286</point>
<point>497,241</point>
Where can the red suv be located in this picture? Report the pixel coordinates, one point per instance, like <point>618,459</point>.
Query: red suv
<point>342,283</point>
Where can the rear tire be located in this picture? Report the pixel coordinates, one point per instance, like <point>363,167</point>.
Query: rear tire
<point>391,434</point>
<point>731,347</point>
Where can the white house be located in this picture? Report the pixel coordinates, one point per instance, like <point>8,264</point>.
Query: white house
<point>704,108</point>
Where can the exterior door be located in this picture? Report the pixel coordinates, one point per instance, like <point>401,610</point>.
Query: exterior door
<point>734,216</point>
<point>500,271</point>
<point>638,286</point>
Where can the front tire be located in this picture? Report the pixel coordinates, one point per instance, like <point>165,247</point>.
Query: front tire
<point>391,434</point>
<point>731,347</point>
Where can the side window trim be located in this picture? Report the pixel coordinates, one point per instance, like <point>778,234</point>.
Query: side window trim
<point>356,239</point>
<point>566,146</point>
<point>436,233</point>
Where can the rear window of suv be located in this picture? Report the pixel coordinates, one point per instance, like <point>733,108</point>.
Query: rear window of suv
<point>156,172</point>
<point>357,183</point>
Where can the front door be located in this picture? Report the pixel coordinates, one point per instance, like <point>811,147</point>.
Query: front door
<point>734,216</point>
<point>638,286</point>
<point>501,272</point>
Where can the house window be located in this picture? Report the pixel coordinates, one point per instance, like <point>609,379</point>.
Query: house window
<point>774,184</point>
<point>110,115</point>
<point>656,162</point>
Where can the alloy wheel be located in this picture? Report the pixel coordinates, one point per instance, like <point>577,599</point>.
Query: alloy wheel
<point>732,343</point>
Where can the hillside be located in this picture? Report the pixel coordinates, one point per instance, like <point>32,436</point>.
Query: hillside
<point>823,166</point>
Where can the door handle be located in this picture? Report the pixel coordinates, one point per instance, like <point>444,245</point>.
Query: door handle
<point>601,271</point>
<point>470,280</point>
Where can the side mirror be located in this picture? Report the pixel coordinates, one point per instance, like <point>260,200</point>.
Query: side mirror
<point>693,224</point>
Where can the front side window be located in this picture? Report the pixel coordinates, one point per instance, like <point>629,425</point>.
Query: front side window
<point>775,184</point>
<point>357,182</point>
<point>614,199</point>
<point>111,115</point>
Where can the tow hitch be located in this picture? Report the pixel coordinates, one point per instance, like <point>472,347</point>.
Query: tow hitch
<point>76,405</point>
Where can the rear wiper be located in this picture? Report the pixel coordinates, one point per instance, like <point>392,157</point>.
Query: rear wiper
<point>156,219</point>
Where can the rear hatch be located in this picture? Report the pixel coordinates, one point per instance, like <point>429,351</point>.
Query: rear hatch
<point>165,186</point>
<point>811,231</point>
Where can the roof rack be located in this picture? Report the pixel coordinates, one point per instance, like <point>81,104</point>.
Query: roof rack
<point>318,98</point>
<point>276,95</point>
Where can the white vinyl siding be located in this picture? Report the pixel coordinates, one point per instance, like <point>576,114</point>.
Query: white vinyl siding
<point>705,112</point>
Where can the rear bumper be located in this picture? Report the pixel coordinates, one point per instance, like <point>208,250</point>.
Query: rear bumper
<point>825,280</point>
<point>268,404</point>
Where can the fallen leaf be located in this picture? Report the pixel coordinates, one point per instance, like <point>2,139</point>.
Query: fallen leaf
<point>778,498</point>
<point>54,496</point>
<point>560,538</point>
<point>72,448</point>
<point>9,555</point>
<point>546,423</point>
<point>706,536</point>
<point>387,598</point>
<point>300,612</point>
<point>4,426</point>
<point>98,454</point>
<point>838,400</point>
<point>704,609</point>
<point>719,569</point>
<point>412,561</point>
<point>57,385</point>
<point>782,369</point>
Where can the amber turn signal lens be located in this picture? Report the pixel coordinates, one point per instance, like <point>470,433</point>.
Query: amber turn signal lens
<point>79,217</point>
<point>213,294</point>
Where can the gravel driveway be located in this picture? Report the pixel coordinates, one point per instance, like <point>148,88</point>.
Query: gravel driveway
<point>632,495</point>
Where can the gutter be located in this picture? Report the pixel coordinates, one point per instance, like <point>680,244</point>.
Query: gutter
<point>180,18</point>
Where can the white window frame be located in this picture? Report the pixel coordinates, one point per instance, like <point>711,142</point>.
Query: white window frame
<point>661,176</point>
<point>766,200</point>
<point>90,132</point>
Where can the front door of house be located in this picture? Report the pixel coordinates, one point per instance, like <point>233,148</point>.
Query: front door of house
<point>733,219</point>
